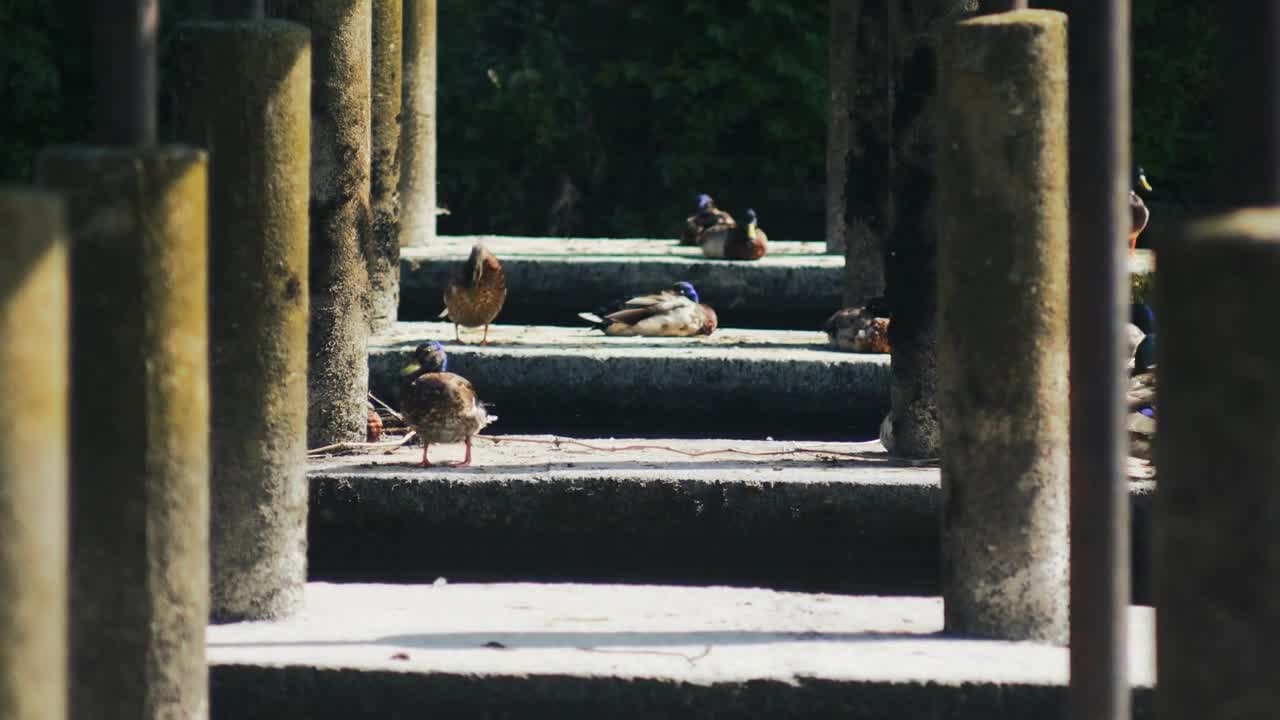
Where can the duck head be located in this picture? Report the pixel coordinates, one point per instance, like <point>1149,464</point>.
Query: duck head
<point>1140,179</point>
<point>686,289</point>
<point>751,223</point>
<point>704,201</point>
<point>429,357</point>
<point>480,263</point>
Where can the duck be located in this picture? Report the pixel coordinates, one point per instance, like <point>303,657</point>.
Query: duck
<point>1140,397</point>
<point>476,293</point>
<point>735,242</point>
<point>859,329</point>
<point>675,312</point>
<point>707,215</point>
<point>1139,213</point>
<point>1141,331</point>
<point>440,406</point>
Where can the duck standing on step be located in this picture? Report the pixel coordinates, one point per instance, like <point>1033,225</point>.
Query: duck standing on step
<point>1139,213</point>
<point>676,312</point>
<point>440,406</point>
<point>859,329</point>
<point>707,216</point>
<point>476,293</point>
<point>736,242</point>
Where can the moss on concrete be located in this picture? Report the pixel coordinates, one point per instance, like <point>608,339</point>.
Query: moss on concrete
<point>260,151</point>
<point>34,321</point>
<point>383,250</point>
<point>140,423</point>
<point>341,216</point>
<point>1002,329</point>
<point>1216,571</point>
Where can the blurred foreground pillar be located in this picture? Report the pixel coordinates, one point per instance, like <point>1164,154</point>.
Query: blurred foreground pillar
<point>418,131</point>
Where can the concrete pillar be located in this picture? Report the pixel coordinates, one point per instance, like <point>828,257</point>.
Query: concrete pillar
<point>259,159</point>
<point>139,428</point>
<point>34,314</point>
<point>1002,329</point>
<point>383,251</point>
<point>338,368</point>
<point>841,35</point>
<point>418,132</point>
<point>1217,549</point>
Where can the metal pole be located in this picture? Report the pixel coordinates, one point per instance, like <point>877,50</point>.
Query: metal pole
<point>1250,139</point>
<point>1099,185</point>
<point>125,71</point>
<point>987,7</point>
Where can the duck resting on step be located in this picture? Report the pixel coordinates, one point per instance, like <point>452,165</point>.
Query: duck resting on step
<point>708,215</point>
<point>735,242</point>
<point>440,406</point>
<point>676,312</point>
<point>476,293</point>
<point>860,329</point>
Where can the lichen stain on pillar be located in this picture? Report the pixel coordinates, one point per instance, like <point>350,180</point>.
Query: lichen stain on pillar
<point>418,132</point>
<point>140,428</point>
<point>341,216</point>
<point>260,157</point>
<point>34,322</point>
<point>1217,541</point>
<point>383,251</point>
<point>1002,337</point>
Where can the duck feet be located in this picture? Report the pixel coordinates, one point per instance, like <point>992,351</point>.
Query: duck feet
<point>485,339</point>
<point>466,460</point>
<point>425,461</point>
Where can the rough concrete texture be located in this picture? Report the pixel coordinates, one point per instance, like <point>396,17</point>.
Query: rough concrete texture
<point>337,375</point>
<point>1002,385</point>
<point>139,428</point>
<point>551,280</point>
<point>260,150</point>
<point>1218,549</point>
<point>748,381</point>
<point>34,320</point>
<point>530,650</point>
<point>841,517</point>
<point>418,127</point>
<point>912,31</point>
<point>383,250</point>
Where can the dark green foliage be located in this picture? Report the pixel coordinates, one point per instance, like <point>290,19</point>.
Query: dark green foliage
<point>603,117</point>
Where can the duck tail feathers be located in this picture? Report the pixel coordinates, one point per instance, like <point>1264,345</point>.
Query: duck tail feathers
<point>592,318</point>
<point>444,313</point>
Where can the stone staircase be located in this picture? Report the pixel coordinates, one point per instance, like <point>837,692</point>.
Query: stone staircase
<point>740,550</point>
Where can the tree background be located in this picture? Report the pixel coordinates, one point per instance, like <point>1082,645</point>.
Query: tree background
<point>606,117</point>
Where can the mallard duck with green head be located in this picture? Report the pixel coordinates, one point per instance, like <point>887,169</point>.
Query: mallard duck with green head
<point>440,406</point>
<point>476,293</point>
<point>675,312</point>
<point>736,242</point>
<point>707,216</point>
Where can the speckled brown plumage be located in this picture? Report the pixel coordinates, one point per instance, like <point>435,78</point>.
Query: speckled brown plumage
<point>373,427</point>
<point>858,330</point>
<point>475,295</point>
<point>670,313</point>
<point>440,406</point>
<point>707,216</point>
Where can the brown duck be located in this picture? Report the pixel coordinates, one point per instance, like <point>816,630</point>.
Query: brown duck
<point>440,406</point>
<point>707,216</point>
<point>475,295</point>
<point>859,330</point>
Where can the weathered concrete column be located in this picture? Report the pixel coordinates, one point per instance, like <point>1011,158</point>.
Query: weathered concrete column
<point>1002,375</point>
<point>34,321</point>
<point>338,369</point>
<point>383,250</point>
<point>139,428</point>
<point>1217,548</point>
<point>841,36</point>
<point>259,159</point>
<point>418,131</point>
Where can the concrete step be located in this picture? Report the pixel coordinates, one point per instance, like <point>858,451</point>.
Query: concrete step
<point>835,517</point>
<point>555,651</point>
<point>746,383</point>
<point>797,286</point>
<point>551,280</point>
